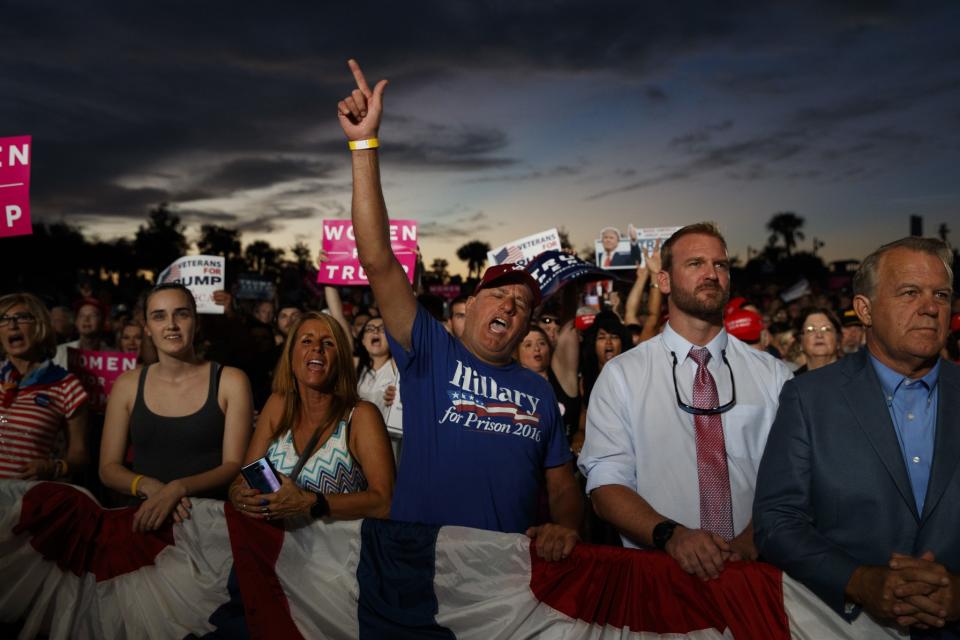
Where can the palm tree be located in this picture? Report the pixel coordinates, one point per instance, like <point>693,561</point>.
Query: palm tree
<point>943,231</point>
<point>219,241</point>
<point>785,226</point>
<point>474,253</point>
<point>261,257</point>
<point>439,269</point>
<point>302,256</point>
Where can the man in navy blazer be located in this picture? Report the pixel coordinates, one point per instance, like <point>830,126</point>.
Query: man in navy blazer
<point>857,493</point>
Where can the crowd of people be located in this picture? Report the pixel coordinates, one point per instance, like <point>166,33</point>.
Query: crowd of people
<point>816,433</point>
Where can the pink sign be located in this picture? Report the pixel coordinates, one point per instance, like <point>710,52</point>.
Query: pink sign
<point>15,186</point>
<point>343,267</point>
<point>98,370</point>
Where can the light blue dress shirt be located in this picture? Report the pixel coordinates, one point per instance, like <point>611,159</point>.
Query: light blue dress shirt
<point>913,409</point>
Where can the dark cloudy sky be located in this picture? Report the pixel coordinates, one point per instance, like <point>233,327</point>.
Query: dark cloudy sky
<point>503,118</point>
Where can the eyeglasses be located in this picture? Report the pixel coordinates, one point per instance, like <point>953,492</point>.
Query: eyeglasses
<point>17,318</point>
<point>810,329</point>
<point>706,411</point>
<point>373,328</point>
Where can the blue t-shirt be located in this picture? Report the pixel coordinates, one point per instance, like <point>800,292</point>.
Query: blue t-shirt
<point>476,437</point>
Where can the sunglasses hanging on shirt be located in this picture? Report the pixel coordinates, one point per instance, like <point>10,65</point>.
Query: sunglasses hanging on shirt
<point>706,411</point>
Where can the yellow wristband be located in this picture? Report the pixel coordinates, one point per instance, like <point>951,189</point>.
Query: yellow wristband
<point>369,143</point>
<point>135,485</point>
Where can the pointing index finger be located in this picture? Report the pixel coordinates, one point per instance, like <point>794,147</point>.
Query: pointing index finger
<point>358,76</point>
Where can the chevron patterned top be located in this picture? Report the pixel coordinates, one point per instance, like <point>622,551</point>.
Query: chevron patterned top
<point>331,469</point>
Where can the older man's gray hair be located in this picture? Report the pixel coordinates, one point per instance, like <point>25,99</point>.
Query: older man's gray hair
<point>865,279</point>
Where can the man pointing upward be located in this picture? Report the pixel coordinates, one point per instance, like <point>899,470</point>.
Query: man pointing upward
<point>482,435</point>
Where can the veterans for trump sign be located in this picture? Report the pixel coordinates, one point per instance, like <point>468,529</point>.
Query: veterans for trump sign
<point>342,266</point>
<point>203,275</point>
<point>15,186</point>
<point>525,249</point>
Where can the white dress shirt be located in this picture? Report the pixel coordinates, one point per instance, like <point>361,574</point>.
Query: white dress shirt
<point>637,436</point>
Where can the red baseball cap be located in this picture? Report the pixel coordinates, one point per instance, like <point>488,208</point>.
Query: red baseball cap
<point>92,302</point>
<point>510,273</point>
<point>955,323</point>
<point>733,305</point>
<point>585,318</point>
<point>744,324</point>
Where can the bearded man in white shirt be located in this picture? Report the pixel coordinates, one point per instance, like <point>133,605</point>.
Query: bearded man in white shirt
<point>677,425</point>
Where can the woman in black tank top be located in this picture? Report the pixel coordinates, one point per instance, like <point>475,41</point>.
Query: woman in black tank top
<point>188,420</point>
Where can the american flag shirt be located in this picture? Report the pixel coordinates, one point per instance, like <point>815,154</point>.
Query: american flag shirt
<point>33,410</point>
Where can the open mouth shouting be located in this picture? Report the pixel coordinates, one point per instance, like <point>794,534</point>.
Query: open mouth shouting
<point>315,365</point>
<point>15,341</point>
<point>498,326</point>
<point>15,344</point>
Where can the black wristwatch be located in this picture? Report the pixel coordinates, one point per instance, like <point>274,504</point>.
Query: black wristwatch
<point>662,533</point>
<point>320,508</point>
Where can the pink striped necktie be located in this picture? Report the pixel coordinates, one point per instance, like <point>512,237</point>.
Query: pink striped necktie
<point>716,509</point>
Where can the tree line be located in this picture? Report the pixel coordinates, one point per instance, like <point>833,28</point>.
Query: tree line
<point>56,256</point>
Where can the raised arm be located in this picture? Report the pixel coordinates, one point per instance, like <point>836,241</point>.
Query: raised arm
<point>655,299</point>
<point>566,355</point>
<point>566,358</point>
<point>631,311</point>
<point>334,305</point>
<point>359,115</point>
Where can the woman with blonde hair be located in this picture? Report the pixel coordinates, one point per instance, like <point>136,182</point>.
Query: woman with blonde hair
<point>329,449</point>
<point>38,399</point>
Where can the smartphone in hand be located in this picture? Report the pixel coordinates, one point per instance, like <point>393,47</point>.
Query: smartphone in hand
<point>260,476</point>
